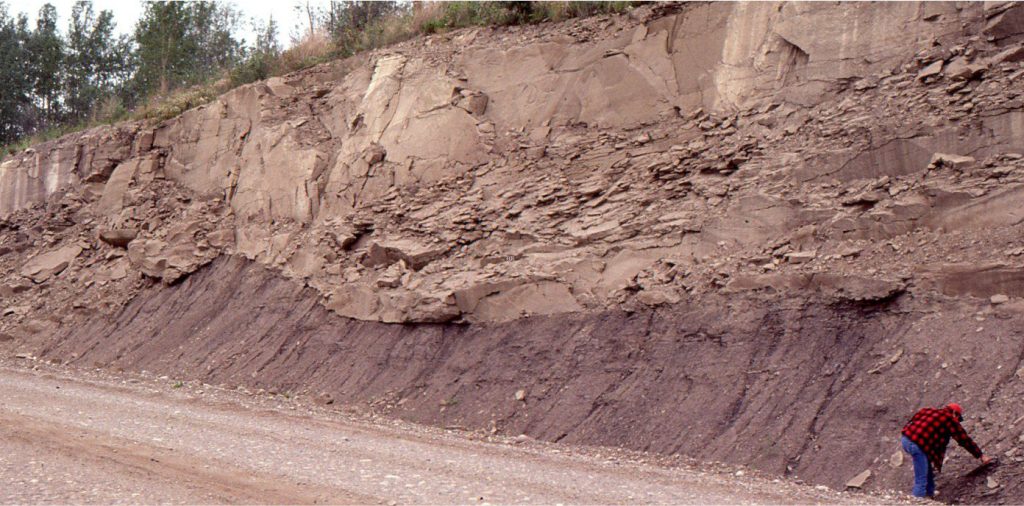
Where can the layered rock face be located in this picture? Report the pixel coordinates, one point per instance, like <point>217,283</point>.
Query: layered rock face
<point>78,160</point>
<point>831,180</point>
<point>636,160</point>
<point>805,389</point>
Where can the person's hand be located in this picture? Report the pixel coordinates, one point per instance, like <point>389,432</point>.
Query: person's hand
<point>985,459</point>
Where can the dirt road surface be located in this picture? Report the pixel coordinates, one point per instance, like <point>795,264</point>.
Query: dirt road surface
<point>90,438</point>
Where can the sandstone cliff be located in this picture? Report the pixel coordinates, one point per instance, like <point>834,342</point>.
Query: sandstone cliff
<point>485,175</point>
<point>855,155</point>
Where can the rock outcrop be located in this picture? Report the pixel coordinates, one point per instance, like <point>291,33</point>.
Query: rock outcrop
<point>811,389</point>
<point>861,162</point>
<point>614,161</point>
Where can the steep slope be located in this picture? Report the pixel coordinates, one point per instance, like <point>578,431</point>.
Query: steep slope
<point>786,384</point>
<point>745,212</point>
<point>484,176</point>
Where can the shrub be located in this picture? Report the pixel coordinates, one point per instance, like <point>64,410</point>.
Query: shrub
<point>109,110</point>
<point>453,15</point>
<point>160,108</point>
<point>313,49</point>
<point>257,67</point>
<point>560,11</point>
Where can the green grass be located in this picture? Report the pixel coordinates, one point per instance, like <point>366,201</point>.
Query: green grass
<point>53,133</point>
<point>165,108</point>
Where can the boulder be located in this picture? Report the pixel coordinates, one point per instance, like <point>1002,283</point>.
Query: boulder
<point>345,237</point>
<point>146,255</point>
<point>415,254</point>
<point>354,301</point>
<point>857,288</point>
<point>592,188</point>
<point>960,70</point>
<point>859,480</point>
<point>866,83</point>
<point>896,459</point>
<point>850,251</point>
<point>536,152</point>
<point>14,287</point>
<point>118,269</point>
<point>658,296</point>
<point>391,277</point>
<point>374,154</point>
<point>41,267</point>
<point>932,70</point>
<point>800,257</point>
<point>16,310</point>
<point>476,104</point>
<point>221,238</point>
<point>118,237</point>
<point>170,261</point>
<point>958,162</point>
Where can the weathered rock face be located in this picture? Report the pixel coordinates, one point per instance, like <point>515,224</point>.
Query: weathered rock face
<point>340,137</point>
<point>629,161</point>
<point>803,388</point>
<point>88,157</point>
<point>820,200</point>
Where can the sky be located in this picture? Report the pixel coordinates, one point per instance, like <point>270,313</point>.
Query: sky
<point>127,12</point>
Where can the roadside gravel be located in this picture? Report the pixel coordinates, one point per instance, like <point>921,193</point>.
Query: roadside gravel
<point>89,437</point>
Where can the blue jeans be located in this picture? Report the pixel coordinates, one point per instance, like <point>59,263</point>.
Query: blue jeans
<point>924,476</point>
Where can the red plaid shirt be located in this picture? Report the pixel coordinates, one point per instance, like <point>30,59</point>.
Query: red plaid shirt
<point>931,430</point>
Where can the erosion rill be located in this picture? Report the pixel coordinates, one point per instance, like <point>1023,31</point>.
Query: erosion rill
<point>756,233</point>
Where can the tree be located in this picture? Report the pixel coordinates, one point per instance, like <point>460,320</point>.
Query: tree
<point>46,58</point>
<point>16,116</point>
<point>354,24</point>
<point>259,62</point>
<point>97,63</point>
<point>180,44</point>
<point>158,36</point>
<point>212,28</point>
<point>312,14</point>
<point>266,38</point>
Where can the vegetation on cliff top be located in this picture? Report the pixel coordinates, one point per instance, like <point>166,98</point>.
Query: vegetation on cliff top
<point>184,54</point>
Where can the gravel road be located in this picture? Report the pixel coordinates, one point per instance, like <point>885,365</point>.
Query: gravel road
<point>78,437</point>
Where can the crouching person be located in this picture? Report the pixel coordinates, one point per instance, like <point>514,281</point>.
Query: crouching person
<point>925,438</point>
